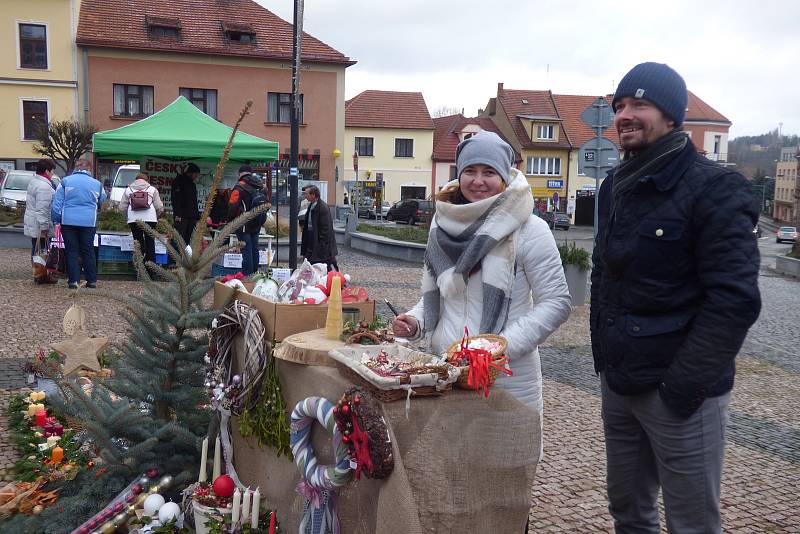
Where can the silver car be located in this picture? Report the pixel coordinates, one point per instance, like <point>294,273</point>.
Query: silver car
<point>786,233</point>
<point>15,187</point>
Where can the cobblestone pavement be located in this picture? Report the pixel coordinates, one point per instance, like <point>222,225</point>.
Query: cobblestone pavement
<point>762,470</point>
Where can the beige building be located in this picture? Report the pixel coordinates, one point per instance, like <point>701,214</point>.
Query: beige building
<point>392,132</point>
<point>39,73</point>
<point>786,185</point>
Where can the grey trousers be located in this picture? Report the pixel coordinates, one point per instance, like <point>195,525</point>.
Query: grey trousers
<point>648,446</point>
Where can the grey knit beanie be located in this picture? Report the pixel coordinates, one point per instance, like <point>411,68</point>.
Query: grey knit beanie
<point>485,148</point>
<point>659,84</point>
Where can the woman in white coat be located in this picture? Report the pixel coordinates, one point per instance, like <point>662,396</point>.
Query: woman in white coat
<point>492,266</point>
<point>148,210</point>
<point>38,201</point>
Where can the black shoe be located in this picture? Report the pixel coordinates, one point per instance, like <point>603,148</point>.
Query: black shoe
<point>72,286</point>
<point>91,286</point>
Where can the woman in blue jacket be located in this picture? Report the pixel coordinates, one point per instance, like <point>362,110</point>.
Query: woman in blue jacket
<point>75,206</point>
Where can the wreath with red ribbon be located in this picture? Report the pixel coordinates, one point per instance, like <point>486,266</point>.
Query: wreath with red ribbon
<point>364,432</point>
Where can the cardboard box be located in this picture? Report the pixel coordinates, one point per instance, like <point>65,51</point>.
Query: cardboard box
<point>283,320</point>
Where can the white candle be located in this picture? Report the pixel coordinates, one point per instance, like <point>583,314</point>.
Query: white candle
<point>246,505</point>
<point>203,461</point>
<point>217,460</point>
<point>235,512</point>
<point>256,503</point>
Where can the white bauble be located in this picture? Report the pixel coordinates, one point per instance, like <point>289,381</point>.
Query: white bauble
<point>152,504</point>
<point>188,250</point>
<point>168,512</point>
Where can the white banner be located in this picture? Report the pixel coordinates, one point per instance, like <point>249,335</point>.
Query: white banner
<point>162,173</point>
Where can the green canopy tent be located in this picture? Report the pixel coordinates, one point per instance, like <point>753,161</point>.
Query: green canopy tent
<point>180,130</point>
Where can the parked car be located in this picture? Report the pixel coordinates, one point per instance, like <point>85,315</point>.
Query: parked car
<point>411,211</point>
<point>124,177</point>
<point>786,233</point>
<point>556,220</point>
<point>367,208</point>
<point>385,207</point>
<point>15,187</point>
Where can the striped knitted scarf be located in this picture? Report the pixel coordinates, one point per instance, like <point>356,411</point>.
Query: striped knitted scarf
<point>463,236</point>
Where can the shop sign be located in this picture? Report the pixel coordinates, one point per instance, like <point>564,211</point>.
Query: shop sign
<point>555,184</point>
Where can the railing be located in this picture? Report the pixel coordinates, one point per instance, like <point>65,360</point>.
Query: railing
<point>717,157</point>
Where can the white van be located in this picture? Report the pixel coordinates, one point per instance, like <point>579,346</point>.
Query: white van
<point>125,176</point>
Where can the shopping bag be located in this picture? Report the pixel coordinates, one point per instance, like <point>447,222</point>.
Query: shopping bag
<point>56,258</point>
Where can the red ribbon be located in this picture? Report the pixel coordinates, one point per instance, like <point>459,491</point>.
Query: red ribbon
<point>229,277</point>
<point>360,442</point>
<point>480,361</point>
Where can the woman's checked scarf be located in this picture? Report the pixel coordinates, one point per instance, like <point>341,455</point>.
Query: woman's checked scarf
<point>463,236</point>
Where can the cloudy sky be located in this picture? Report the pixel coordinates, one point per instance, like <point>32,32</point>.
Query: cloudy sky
<point>740,56</point>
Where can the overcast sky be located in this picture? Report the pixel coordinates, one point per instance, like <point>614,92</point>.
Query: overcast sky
<point>740,56</point>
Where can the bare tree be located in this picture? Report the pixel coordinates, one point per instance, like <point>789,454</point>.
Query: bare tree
<point>444,111</point>
<point>65,140</point>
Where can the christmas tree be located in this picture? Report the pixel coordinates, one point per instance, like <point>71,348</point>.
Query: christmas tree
<point>150,414</point>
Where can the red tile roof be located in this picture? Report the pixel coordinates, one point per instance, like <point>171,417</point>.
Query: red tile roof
<point>697,110</point>
<point>446,138</point>
<point>122,24</point>
<point>517,102</point>
<point>387,109</point>
<point>570,108</point>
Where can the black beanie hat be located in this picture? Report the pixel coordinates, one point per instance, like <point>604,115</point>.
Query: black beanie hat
<point>659,84</point>
<point>245,168</point>
<point>190,168</point>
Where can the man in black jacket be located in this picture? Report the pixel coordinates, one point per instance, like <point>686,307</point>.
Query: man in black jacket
<point>674,291</point>
<point>184,201</point>
<point>318,243</point>
<point>247,194</point>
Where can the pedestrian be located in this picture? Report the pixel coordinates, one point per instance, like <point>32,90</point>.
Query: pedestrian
<point>492,266</point>
<point>318,242</point>
<point>38,203</point>
<point>674,291</point>
<point>75,206</point>
<point>141,202</point>
<point>248,194</point>
<point>185,211</point>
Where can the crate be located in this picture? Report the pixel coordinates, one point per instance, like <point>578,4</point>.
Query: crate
<point>116,268</point>
<point>107,253</point>
<point>219,270</point>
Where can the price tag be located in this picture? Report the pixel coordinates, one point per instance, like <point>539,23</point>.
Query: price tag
<point>161,248</point>
<point>281,275</point>
<point>126,243</point>
<point>232,260</point>
<point>263,257</point>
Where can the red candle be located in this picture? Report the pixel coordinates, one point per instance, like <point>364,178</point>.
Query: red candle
<point>41,418</point>
<point>272,522</point>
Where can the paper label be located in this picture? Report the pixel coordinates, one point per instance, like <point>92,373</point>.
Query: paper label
<point>232,260</point>
<point>161,248</point>
<point>126,243</point>
<point>264,257</point>
<point>281,275</point>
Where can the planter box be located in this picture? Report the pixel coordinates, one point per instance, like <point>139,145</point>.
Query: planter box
<point>283,320</point>
<point>576,282</point>
<point>787,265</point>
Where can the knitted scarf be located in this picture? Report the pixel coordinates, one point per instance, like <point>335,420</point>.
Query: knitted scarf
<point>649,161</point>
<point>463,236</point>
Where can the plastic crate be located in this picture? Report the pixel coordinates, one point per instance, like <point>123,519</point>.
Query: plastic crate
<point>162,259</point>
<point>219,270</point>
<point>116,267</point>
<point>107,253</point>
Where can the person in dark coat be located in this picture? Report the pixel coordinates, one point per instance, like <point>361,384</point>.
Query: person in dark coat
<point>184,201</point>
<point>674,291</point>
<point>248,193</point>
<point>318,243</point>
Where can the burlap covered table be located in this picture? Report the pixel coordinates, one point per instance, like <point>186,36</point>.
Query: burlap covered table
<point>463,463</point>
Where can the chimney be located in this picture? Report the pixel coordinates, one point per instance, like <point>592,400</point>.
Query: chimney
<point>499,88</point>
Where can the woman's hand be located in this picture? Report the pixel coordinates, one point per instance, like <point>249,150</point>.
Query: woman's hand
<point>405,326</point>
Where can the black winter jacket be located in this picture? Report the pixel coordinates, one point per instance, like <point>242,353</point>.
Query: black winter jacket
<point>675,282</point>
<point>241,200</point>
<point>184,198</point>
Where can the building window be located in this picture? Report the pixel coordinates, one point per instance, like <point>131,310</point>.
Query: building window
<point>545,131</point>
<point>204,99</point>
<point>717,142</point>
<point>364,146</point>
<point>133,100</point>
<point>239,33</point>
<point>545,166</point>
<point>453,172</point>
<point>33,46</point>
<point>279,108</point>
<point>404,148</point>
<point>162,27</point>
<point>34,117</point>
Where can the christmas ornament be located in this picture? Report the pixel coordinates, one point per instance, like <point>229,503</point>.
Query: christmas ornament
<point>359,419</point>
<point>224,486</point>
<point>168,512</point>
<point>152,504</point>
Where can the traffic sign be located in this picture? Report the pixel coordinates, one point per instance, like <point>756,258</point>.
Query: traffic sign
<point>597,160</point>
<point>555,198</point>
<point>599,114</point>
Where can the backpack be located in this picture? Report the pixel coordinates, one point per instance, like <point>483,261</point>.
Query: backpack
<point>258,199</point>
<point>140,199</point>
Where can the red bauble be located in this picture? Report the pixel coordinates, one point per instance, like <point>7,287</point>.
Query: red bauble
<point>152,473</point>
<point>223,486</point>
<point>346,409</point>
<point>83,530</point>
<point>137,489</point>
<point>119,507</point>
<point>93,522</point>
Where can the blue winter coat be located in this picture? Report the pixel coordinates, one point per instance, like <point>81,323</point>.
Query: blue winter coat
<point>675,281</point>
<point>77,200</point>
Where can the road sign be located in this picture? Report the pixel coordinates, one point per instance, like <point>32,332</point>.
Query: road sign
<point>597,160</point>
<point>599,114</point>
<point>555,198</point>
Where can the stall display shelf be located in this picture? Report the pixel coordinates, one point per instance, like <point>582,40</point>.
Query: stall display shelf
<point>108,253</point>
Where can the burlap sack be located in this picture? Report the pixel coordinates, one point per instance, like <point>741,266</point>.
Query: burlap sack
<point>463,463</point>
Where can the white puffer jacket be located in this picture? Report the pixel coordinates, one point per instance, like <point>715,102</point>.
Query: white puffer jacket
<point>38,202</point>
<point>540,303</point>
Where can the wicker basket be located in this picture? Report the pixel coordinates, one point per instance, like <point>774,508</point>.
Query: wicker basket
<point>390,395</point>
<point>499,358</point>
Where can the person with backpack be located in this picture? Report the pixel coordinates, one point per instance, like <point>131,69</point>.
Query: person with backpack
<point>141,202</point>
<point>75,205</point>
<point>248,194</point>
